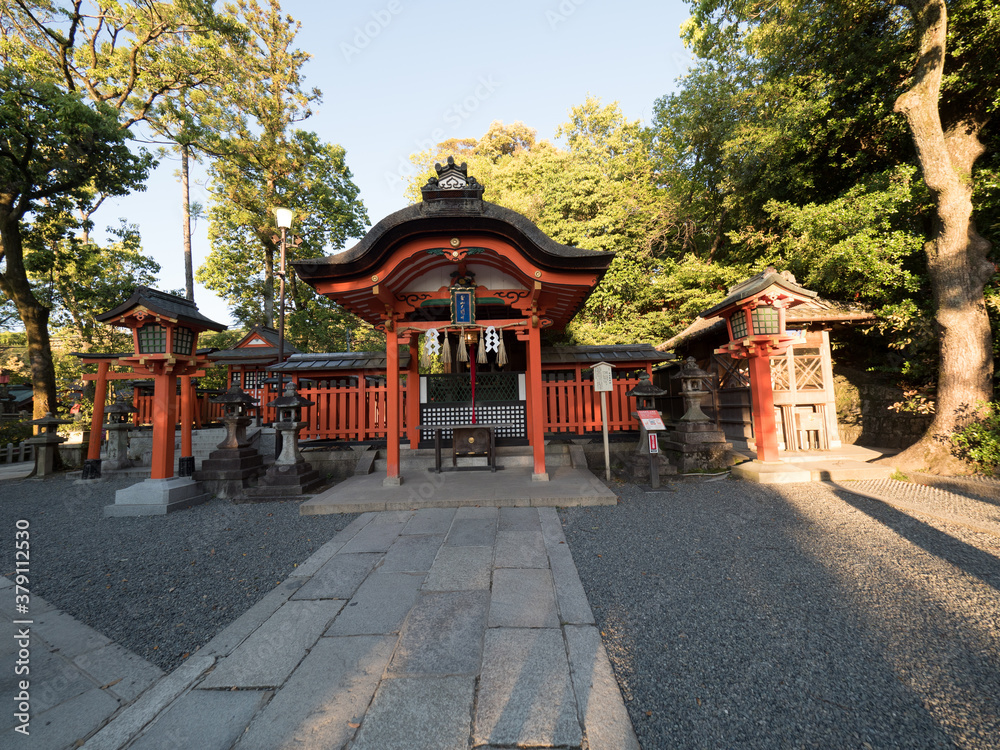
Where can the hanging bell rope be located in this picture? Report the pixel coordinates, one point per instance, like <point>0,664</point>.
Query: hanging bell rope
<point>463,351</point>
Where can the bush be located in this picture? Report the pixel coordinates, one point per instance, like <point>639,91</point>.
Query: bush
<point>979,441</point>
<point>13,432</point>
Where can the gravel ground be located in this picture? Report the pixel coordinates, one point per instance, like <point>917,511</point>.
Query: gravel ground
<point>746,616</point>
<point>161,586</point>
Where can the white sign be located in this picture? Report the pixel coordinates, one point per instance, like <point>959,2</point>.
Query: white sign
<point>602,377</point>
<point>650,419</point>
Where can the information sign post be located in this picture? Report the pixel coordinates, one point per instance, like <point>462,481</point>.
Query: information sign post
<point>603,384</point>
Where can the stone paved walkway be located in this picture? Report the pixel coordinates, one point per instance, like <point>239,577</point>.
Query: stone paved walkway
<point>438,628</point>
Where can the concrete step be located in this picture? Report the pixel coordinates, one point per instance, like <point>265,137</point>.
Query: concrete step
<point>519,456</point>
<point>811,471</point>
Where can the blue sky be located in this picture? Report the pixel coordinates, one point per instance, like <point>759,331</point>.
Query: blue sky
<point>398,76</point>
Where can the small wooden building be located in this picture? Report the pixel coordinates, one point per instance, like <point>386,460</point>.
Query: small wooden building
<point>249,361</point>
<point>802,377</point>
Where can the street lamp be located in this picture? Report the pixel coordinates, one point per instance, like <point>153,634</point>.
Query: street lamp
<point>284,219</point>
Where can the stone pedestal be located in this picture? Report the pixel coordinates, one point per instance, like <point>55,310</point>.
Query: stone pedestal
<point>638,462</point>
<point>45,446</point>
<point>117,448</point>
<point>697,447</point>
<point>157,497</point>
<point>290,476</point>
<point>228,472</point>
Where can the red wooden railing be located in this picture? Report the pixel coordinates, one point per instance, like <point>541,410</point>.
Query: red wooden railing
<point>359,413</point>
<point>572,405</point>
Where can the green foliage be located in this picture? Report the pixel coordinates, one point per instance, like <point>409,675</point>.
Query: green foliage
<point>265,162</point>
<point>13,431</point>
<point>979,441</point>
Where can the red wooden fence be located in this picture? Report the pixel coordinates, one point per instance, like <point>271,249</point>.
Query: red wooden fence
<point>572,405</point>
<point>358,412</point>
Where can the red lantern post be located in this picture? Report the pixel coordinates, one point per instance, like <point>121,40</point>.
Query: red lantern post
<point>754,313</point>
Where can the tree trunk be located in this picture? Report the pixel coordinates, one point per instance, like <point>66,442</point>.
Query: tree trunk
<point>35,316</point>
<point>186,221</point>
<point>957,254</point>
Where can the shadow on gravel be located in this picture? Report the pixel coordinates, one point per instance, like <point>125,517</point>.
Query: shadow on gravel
<point>972,560</point>
<point>726,629</point>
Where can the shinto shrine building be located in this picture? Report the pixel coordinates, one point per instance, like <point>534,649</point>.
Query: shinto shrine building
<point>472,285</point>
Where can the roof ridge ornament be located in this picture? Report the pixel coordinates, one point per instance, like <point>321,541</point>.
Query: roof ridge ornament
<point>452,181</point>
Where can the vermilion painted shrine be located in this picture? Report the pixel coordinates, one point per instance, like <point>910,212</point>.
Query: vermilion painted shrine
<point>472,281</point>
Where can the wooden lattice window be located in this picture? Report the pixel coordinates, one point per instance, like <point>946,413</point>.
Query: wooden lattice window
<point>152,339</point>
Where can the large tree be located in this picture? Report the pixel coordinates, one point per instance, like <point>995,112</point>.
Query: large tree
<point>55,151</point>
<point>126,57</point>
<point>818,83</point>
<point>264,162</point>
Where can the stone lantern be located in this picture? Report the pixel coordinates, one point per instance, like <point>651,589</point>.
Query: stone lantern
<point>645,392</point>
<point>46,443</point>
<point>694,382</point>
<point>289,475</point>
<point>754,313</point>
<point>230,469</point>
<point>118,424</point>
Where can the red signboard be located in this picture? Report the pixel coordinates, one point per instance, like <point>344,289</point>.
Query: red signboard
<point>653,445</point>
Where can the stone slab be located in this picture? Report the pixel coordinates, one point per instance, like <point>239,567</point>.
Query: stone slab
<point>272,652</point>
<point>156,497</point>
<point>776,473</point>
<point>70,721</point>
<point>525,691</point>
<point>472,532</point>
<point>460,569</point>
<point>328,550</point>
<point>238,631</point>
<point>574,607</point>
<point>520,548</point>
<point>412,553</point>
<point>518,519</point>
<point>54,678</point>
<point>330,690</point>
<point>523,598</point>
<point>339,577</point>
<point>126,674</point>
<point>375,537</point>
<point>430,521</point>
<point>380,604</point>
<point>130,722</point>
<point>601,709</point>
<point>69,634</point>
<point>205,719</point>
<point>443,635</point>
<point>419,713</point>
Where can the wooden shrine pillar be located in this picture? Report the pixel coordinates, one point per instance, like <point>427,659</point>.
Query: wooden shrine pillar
<point>186,465</point>
<point>97,422</point>
<point>762,408</point>
<point>164,419</point>
<point>536,404</point>
<point>413,393</point>
<point>392,477</point>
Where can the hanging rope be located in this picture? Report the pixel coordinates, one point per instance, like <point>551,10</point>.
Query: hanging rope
<point>463,351</point>
<point>501,352</point>
<point>446,352</point>
<point>481,353</point>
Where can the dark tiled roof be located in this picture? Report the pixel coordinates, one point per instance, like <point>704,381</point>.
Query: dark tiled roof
<point>337,361</point>
<point>251,355</point>
<point>167,305</point>
<point>595,354</point>
<point>759,283</point>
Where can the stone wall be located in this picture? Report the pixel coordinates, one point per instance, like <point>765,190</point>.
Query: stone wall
<point>864,416</point>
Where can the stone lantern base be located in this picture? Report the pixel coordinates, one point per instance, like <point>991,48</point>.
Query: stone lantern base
<point>284,482</point>
<point>697,447</point>
<point>228,472</point>
<point>157,497</point>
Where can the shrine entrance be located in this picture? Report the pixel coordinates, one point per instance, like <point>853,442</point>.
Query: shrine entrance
<point>467,286</point>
